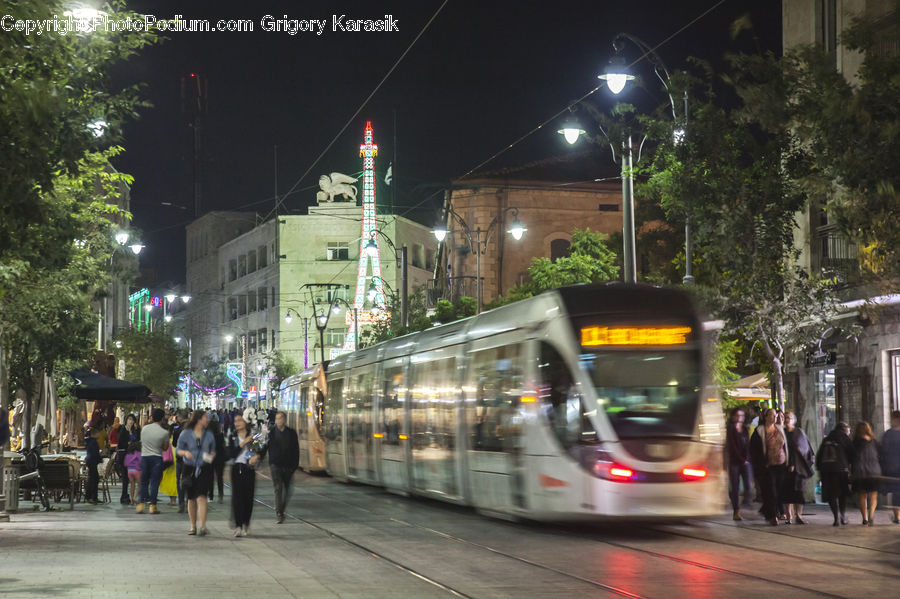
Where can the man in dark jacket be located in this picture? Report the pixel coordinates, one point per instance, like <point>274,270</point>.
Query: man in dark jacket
<point>833,462</point>
<point>284,456</point>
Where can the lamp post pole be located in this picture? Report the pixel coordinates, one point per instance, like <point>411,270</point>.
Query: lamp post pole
<point>628,255</point>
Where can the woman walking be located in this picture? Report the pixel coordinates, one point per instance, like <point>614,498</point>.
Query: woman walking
<point>866,471</point>
<point>243,475</point>
<point>801,459</point>
<point>737,446</point>
<point>833,462</point>
<point>128,457</point>
<point>197,448</point>
<point>768,450</point>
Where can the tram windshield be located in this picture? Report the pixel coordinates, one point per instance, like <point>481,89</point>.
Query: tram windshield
<point>646,393</point>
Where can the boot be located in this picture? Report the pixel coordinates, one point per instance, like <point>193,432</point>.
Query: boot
<point>737,515</point>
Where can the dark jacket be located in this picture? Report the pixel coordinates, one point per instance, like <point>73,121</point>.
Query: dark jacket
<point>92,450</point>
<point>737,445</point>
<point>125,438</point>
<point>865,462</point>
<point>284,450</point>
<point>845,452</point>
<point>757,455</point>
<point>800,455</point>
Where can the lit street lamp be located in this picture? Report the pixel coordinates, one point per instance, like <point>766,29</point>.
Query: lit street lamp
<point>516,229</point>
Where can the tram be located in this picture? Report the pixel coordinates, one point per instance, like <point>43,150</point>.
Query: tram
<point>587,402</point>
<point>302,398</point>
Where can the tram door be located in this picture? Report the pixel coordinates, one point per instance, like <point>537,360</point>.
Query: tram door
<point>391,424</point>
<point>494,385</point>
<point>433,421</point>
<point>359,409</point>
<point>300,411</point>
<point>334,426</point>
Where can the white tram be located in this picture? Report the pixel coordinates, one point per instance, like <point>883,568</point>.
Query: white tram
<point>302,398</point>
<point>590,401</point>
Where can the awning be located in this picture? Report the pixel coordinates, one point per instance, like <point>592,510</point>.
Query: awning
<point>96,387</point>
<point>753,388</point>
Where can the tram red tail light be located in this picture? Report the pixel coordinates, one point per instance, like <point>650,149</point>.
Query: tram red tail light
<point>620,473</point>
<point>694,473</point>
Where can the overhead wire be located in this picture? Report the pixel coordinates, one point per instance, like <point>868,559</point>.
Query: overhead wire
<point>364,103</point>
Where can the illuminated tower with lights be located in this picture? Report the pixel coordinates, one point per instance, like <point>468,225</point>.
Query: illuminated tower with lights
<point>368,151</point>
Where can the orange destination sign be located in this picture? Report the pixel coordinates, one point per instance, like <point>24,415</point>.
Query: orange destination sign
<point>668,335</point>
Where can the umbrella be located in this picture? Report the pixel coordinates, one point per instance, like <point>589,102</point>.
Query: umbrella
<point>96,387</point>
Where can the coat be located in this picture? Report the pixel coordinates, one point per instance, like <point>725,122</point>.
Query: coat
<point>758,448</point>
<point>800,454</point>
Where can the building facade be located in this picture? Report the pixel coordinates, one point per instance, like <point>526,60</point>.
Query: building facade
<point>843,378</point>
<point>550,211</point>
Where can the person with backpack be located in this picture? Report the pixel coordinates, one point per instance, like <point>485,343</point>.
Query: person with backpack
<point>866,471</point>
<point>890,464</point>
<point>833,463</point>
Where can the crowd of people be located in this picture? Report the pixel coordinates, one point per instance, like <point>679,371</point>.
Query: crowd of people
<point>183,455</point>
<point>770,456</point>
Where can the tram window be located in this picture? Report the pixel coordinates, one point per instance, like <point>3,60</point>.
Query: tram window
<point>392,398</point>
<point>561,401</point>
<point>433,409</point>
<point>647,393</point>
<point>301,413</point>
<point>333,429</point>
<point>496,381</point>
<point>318,410</point>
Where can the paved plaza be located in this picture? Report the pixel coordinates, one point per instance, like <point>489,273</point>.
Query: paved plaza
<point>345,540</point>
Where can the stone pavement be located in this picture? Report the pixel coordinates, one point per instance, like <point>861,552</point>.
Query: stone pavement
<point>110,551</point>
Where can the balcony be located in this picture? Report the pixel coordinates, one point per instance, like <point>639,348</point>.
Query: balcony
<point>838,257</point>
<point>449,289</point>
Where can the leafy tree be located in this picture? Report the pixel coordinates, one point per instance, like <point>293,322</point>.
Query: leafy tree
<point>590,260</point>
<point>209,374</point>
<point>152,358</point>
<point>280,367</point>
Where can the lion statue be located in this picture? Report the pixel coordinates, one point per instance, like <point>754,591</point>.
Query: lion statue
<point>337,184</point>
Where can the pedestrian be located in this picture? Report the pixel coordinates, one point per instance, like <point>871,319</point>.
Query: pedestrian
<point>197,447</point>
<point>181,417</point>
<point>833,462</point>
<point>737,461</point>
<point>284,457</point>
<point>890,464</point>
<point>154,440</point>
<point>91,460</point>
<point>114,434</point>
<point>218,463</point>
<point>128,457</point>
<point>768,452</point>
<point>243,475</point>
<point>801,461</point>
<point>865,471</point>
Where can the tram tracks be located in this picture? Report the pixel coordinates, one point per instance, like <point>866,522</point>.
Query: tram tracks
<point>616,590</point>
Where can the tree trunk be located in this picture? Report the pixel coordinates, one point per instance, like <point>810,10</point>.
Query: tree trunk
<point>778,383</point>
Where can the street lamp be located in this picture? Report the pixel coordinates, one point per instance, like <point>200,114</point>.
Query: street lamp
<point>517,229</point>
<point>320,320</point>
<point>336,308</point>
<point>288,319</point>
<point>617,76</point>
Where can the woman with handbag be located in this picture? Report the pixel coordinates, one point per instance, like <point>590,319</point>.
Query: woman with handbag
<point>197,448</point>
<point>243,474</point>
<point>801,460</point>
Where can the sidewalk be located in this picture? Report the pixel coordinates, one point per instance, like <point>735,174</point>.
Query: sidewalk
<point>109,551</point>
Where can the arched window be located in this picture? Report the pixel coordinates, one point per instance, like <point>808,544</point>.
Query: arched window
<point>559,248</point>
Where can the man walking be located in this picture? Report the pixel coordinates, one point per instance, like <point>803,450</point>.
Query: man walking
<point>284,456</point>
<point>154,441</point>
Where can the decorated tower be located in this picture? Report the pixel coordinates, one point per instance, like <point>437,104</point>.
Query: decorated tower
<point>368,151</point>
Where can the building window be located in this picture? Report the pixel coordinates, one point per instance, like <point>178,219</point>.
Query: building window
<point>828,28</point>
<point>251,261</point>
<point>251,343</point>
<point>262,336</point>
<point>242,305</point>
<point>559,248</point>
<point>251,302</point>
<point>232,308</point>
<point>335,337</point>
<point>338,250</point>
<point>233,350</point>
<point>261,256</point>
<point>895,379</point>
<point>242,266</point>
<point>232,270</point>
<point>262,298</point>
<point>608,207</point>
<point>418,255</point>
<point>429,259</point>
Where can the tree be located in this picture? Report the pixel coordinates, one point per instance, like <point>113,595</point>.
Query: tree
<point>280,367</point>
<point>153,359</point>
<point>733,176</point>
<point>590,260</point>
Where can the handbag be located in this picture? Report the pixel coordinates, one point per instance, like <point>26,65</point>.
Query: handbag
<point>167,457</point>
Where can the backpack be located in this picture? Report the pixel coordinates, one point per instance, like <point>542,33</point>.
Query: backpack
<point>829,455</point>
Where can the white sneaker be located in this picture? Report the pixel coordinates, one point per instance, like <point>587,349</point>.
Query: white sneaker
<point>238,532</point>
<point>246,531</point>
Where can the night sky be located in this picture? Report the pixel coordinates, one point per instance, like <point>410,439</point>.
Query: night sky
<point>483,74</point>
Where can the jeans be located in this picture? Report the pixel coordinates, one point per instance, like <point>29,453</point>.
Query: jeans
<point>736,473</point>
<point>151,474</point>
<point>243,484</point>
<point>770,483</point>
<point>281,479</point>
